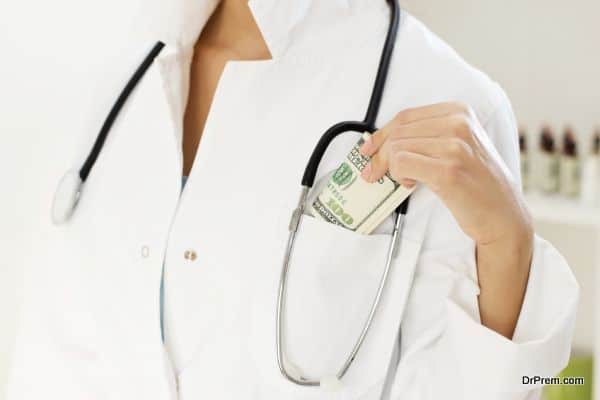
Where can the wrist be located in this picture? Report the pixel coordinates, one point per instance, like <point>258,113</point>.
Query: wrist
<point>503,269</point>
<point>515,247</point>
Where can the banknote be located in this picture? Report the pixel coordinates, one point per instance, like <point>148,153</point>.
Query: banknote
<point>353,203</point>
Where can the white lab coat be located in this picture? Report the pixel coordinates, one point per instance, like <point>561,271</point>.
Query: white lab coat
<point>91,324</point>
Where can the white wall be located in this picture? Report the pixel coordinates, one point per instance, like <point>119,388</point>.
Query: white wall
<point>544,53</point>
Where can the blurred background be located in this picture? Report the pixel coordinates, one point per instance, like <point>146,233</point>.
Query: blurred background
<point>545,54</point>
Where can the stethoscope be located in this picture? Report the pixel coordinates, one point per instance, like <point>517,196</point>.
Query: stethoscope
<point>290,371</point>
<point>71,186</point>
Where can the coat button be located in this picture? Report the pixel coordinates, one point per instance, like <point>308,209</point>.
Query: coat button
<point>145,251</point>
<point>190,255</point>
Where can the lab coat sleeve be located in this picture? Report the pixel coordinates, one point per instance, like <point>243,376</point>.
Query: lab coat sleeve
<point>488,362</point>
<point>466,358</point>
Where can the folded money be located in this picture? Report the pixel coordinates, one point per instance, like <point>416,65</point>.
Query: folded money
<point>353,203</point>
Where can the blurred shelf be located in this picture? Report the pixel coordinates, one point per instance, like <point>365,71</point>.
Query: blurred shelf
<point>560,210</point>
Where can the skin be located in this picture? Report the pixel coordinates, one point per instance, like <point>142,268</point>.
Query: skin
<point>230,34</point>
<point>435,145</point>
<point>438,146</point>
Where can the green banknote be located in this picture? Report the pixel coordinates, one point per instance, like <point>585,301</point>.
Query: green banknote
<point>350,201</point>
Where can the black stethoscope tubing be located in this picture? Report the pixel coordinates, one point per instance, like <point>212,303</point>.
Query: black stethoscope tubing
<point>290,371</point>
<point>87,166</point>
<point>366,125</point>
<point>72,190</point>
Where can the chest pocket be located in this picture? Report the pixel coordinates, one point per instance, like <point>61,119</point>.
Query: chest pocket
<point>332,282</point>
<point>333,278</point>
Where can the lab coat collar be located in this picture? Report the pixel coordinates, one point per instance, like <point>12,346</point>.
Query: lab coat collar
<point>276,20</point>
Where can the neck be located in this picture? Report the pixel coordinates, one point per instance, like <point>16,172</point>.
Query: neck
<point>232,29</point>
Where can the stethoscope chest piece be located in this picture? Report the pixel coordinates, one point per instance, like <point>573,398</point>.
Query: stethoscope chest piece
<point>66,197</point>
<point>69,188</point>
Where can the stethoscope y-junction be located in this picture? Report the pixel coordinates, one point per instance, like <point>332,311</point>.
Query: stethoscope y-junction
<point>288,369</point>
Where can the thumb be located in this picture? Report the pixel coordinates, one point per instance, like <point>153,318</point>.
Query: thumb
<point>376,168</point>
<point>373,143</point>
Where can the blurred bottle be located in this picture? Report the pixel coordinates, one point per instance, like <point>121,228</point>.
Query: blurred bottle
<point>525,170</point>
<point>548,162</point>
<point>590,182</point>
<point>570,165</point>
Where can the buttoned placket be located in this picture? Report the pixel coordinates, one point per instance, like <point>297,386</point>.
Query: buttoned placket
<point>173,67</point>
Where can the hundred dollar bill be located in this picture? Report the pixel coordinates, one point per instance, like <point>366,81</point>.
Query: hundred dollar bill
<point>353,203</point>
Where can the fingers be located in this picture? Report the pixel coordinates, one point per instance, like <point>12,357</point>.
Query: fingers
<point>374,142</point>
<point>447,137</point>
<point>431,111</point>
<point>450,149</point>
<point>443,131</point>
<point>376,168</point>
<point>436,173</point>
<point>457,125</point>
<point>408,116</point>
<point>410,167</point>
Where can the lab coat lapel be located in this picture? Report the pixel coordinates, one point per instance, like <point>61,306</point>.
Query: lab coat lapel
<point>265,186</point>
<point>173,69</point>
<point>182,21</point>
<point>276,20</point>
<point>260,157</point>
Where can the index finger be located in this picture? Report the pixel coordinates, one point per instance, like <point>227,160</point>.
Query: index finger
<point>426,112</point>
<point>408,116</point>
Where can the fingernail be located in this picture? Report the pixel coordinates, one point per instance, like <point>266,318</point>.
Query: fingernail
<point>366,172</point>
<point>408,183</point>
<point>364,148</point>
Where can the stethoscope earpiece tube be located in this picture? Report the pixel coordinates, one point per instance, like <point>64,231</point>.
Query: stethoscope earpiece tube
<point>116,108</point>
<point>368,124</point>
<point>290,371</point>
<point>70,186</point>
<point>310,172</point>
<point>384,66</point>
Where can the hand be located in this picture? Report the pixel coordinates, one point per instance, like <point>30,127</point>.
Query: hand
<point>439,146</point>
<point>442,147</point>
